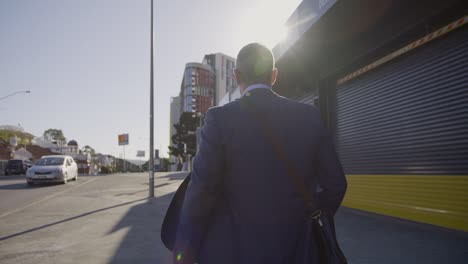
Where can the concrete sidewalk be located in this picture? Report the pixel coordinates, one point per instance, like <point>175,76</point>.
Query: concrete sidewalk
<point>365,238</point>
<point>108,219</point>
<point>371,238</point>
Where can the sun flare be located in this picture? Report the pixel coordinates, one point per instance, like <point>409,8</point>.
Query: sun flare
<point>266,25</point>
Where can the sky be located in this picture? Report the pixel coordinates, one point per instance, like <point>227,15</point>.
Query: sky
<point>86,62</point>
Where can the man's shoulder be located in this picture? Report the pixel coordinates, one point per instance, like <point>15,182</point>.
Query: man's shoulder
<point>223,109</point>
<point>298,106</point>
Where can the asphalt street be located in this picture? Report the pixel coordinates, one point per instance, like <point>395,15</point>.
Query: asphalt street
<point>19,195</point>
<point>98,219</point>
<point>108,219</point>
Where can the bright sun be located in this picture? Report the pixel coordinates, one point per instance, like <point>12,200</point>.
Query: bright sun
<point>266,26</point>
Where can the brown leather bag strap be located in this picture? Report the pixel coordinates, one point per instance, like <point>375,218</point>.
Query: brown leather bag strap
<point>297,180</point>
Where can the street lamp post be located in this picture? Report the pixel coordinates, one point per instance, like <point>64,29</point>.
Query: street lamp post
<point>151,146</point>
<point>4,97</point>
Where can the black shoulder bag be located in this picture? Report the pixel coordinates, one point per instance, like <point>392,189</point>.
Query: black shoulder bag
<point>172,216</point>
<point>319,243</point>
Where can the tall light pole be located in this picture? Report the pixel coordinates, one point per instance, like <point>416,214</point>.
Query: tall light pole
<point>151,146</point>
<point>1,98</point>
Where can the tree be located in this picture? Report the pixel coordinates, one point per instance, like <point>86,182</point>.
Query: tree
<point>185,134</point>
<point>89,150</point>
<point>164,164</point>
<point>56,135</point>
<point>22,137</point>
<point>177,149</point>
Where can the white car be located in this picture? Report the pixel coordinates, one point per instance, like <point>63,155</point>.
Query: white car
<point>54,168</point>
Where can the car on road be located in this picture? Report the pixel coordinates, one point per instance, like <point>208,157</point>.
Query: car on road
<point>53,168</point>
<point>17,166</point>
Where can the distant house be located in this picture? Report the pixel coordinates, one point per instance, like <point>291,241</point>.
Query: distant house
<point>22,154</point>
<point>70,148</point>
<point>25,152</point>
<point>37,151</point>
<point>83,160</point>
<point>40,147</point>
<point>30,152</point>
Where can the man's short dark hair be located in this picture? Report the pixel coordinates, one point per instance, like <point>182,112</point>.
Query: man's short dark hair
<point>254,64</point>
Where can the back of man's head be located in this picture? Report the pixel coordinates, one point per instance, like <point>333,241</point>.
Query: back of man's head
<point>254,64</point>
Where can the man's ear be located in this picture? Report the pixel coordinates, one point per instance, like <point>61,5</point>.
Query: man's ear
<point>274,74</point>
<point>237,75</point>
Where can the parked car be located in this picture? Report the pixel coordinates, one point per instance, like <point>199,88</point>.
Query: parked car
<point>17,166</point>
<point>54,168</point>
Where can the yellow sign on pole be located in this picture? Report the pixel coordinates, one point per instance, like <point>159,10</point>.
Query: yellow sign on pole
<point>123,139</point>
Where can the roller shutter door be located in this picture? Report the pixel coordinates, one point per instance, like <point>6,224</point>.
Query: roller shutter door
<point>308,99</point>
<point>409,116</point>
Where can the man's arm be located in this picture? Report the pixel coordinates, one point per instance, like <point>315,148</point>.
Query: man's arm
<point>202,192</point>
<point>331,176</point>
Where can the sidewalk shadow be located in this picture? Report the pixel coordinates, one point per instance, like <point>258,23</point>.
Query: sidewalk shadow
<point>24,185</point>
<point>176,176</point>
<point>77,217</point>
<point>142,243</point>
<point>143,190</point>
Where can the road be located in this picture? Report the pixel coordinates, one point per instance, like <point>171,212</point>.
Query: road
<point>18,195</point>
<point>108,219</point>
<point>98,219</point>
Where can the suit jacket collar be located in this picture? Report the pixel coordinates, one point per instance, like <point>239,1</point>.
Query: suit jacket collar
<point>254,87</point>
<point>259,93</point>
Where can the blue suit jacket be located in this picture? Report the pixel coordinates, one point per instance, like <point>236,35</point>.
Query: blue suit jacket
<point>240,206</point>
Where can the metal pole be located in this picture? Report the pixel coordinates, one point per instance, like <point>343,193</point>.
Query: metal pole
<point>124,163</point>
<point>151,146</point>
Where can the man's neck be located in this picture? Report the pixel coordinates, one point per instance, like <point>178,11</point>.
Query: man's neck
<point>254,87</point>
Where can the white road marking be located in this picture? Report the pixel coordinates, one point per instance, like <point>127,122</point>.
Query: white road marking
<point>46,198</point>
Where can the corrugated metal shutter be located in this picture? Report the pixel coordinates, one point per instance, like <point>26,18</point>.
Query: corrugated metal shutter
<point>308,99</point>
<point>409,116</point>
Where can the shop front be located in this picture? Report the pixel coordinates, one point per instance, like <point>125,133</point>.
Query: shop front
<point>390,80</point>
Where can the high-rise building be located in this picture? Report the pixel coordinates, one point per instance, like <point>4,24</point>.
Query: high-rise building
<point>203,85</point>
<point>198,88</point>
<point>223,66</point>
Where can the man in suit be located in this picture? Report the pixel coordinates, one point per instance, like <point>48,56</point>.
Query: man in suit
<point>241,206</point>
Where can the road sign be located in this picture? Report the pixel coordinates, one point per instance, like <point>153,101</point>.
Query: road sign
<point>140,153</point>
<point>123,139</point>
